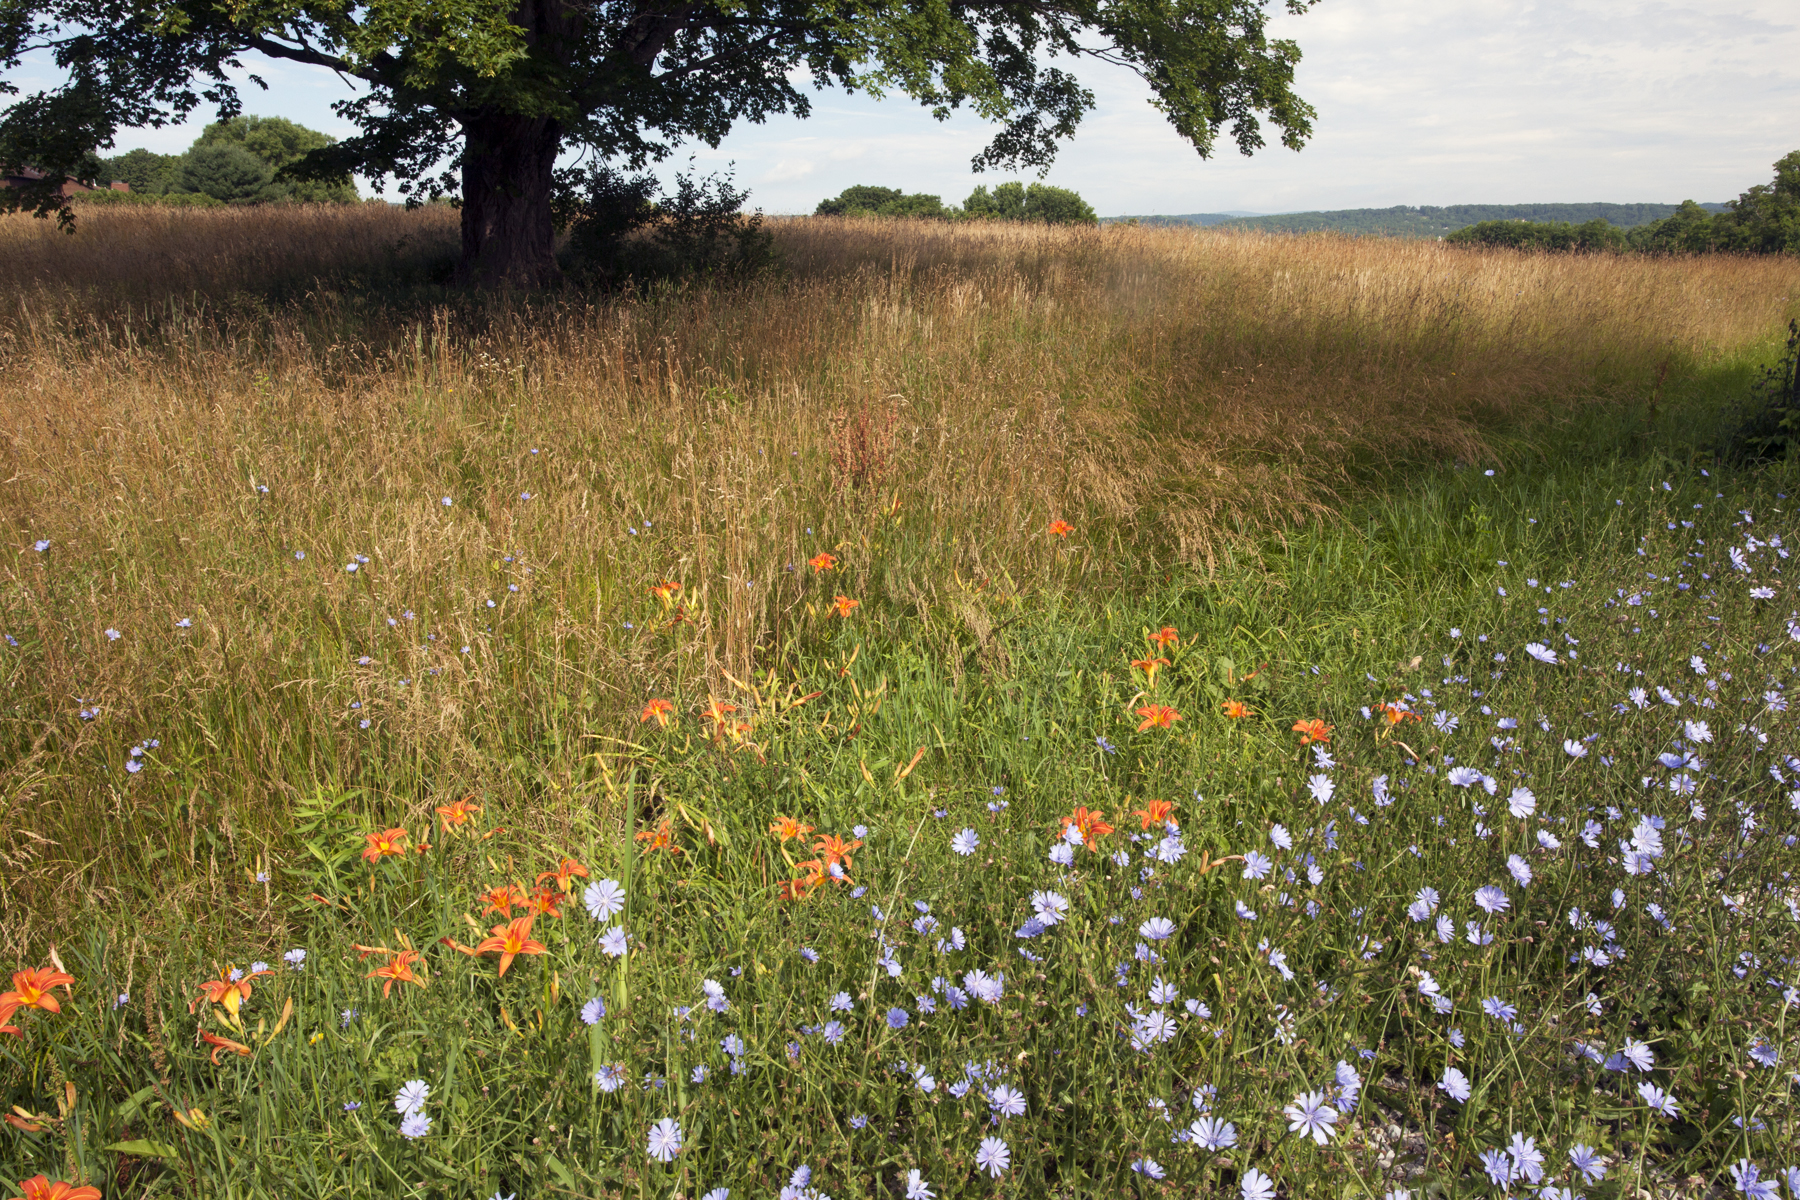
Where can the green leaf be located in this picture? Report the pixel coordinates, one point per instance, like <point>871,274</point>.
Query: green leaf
<point>144,1148</point>
<point>129,1109</point>
<point>561,1172</point>
<point>445,1169</point>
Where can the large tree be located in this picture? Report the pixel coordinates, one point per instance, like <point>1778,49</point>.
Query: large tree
<point>280,142</point>
<point>499,89</point>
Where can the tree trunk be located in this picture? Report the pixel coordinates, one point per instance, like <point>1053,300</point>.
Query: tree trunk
<point>508,238</point>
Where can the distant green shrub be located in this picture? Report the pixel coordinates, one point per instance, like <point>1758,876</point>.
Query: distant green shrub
<point>1558,236</point>
<point>1039,202</point>
<point>1007,202</point>
<point>864,200</point>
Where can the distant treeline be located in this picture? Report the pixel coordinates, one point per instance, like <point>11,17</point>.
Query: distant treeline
<point>1424,221</point>
<point>1764,220</point>
<point>1007,202</point>
<point>232,162</point>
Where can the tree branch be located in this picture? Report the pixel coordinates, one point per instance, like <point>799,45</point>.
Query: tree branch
<point>306,54</point>
<point>723,56</point>
<point>649,32</point>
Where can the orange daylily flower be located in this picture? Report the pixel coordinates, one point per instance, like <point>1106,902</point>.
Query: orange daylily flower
<point>224,990</point>
<point>792,889</point>
<point>835,851</point>
<point>6,1026</point>
<point>565,874</point>
<point>31,989</point>
<point>787,828</point>
<point>1160,716</point>
<point>1150,666</point>
<point>1091,822</point>
<point>509,941</point>
<point>503,899</point>
<point>665,591</point>
<point>1393,714</point>
<point>219,1043</point>
<point>822,561</point>
<point>658,711</point>
<point>31,1123</point>
<point>389,843</point>
<point>1061,528</point>
<point>455,816</point>
<point>843,604</point>
<point>39,1187</point>
<point>228,992</point>
<point>1155,812</point>
<point>660,838</point>
<point>397,969</point>
<point>715,712</point>
<point>545,903</point>
<point>1314,730</point>
<point>1166,636</point>
<point>1236,709</point>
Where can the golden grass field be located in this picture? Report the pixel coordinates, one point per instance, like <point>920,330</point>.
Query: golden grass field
<point>941,390</point>
<point>1194,383</point>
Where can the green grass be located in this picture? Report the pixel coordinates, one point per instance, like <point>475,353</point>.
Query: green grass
<point>1023,703</point>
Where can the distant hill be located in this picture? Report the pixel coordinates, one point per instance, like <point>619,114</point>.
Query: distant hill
<point>1425,221</point>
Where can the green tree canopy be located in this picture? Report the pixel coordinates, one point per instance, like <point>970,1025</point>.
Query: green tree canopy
<point>1038,202</point>
<point>145,170</point>
<point>1763,220</point>
<point>1688,230</point>
<point>1542,235</point>
<point>275,141</point>
<point>859,200</point>
<point>227,172</point>
<point>1767,217</point>
<point>281,143</point>
<point>498,89</point>
<point>863,200</point>
<point>1005,203</point>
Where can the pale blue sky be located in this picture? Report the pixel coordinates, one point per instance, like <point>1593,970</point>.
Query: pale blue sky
<point>1419,102</point>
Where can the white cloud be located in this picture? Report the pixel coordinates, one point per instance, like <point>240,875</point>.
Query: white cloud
<point>787,169</point>
<point>1497,101</point>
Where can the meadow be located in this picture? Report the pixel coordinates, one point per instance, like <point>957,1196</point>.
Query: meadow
<point>980,712</point>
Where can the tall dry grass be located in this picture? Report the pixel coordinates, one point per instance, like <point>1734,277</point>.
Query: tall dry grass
<point>921,398</point>
<point>1197,382</point>
<point>135,254</point>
